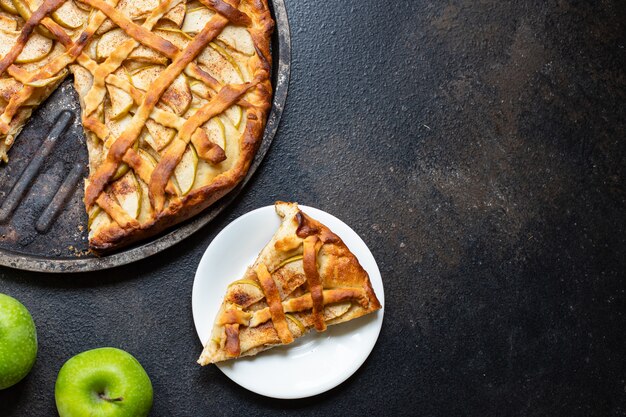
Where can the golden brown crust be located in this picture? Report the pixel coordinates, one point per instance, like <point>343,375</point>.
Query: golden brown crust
<point>113,149</point>
<point>232,340</point>
<point>275,306</point>
<point>30,25</point>
<point>310,227</point>
<point>101,178</point>
<point>197,200</point>
<point>294,305</point>
<point>171,158</point>
<point>268,306</point>
<point>231,13</point>
<point>309,261</point>
<point>40,78</point>
<point>234,316</point>
<point>114,237</point>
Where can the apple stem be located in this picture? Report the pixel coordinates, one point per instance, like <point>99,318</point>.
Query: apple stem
<point>106,398</point>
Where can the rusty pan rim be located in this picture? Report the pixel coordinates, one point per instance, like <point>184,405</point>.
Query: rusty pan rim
<point>281,48</point>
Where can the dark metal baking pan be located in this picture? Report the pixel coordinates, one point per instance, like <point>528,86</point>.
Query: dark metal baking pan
<point>43,224</point>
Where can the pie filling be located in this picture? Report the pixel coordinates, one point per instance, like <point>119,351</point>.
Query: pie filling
<point>305,278</point>
<point>174,96</point>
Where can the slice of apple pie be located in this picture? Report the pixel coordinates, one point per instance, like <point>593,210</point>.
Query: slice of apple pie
<point>174,97</point>
<point>305,278</point>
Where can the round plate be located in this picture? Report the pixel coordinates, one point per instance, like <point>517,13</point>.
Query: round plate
<point>313,363</point>
<point>64,247</point>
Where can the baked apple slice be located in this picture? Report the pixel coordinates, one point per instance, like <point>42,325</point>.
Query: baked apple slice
<point>305,278</point>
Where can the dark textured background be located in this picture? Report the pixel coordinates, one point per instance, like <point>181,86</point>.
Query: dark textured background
<point>478,149</point>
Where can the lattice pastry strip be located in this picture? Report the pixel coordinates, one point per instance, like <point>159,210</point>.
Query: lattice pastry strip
<point>96,94</point>
<point>174,97</point>
<point>305,278</point>
<point>37,84</point>
<point>100,179</point>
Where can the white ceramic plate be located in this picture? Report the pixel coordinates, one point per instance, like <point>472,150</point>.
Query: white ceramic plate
<point>313,363</point>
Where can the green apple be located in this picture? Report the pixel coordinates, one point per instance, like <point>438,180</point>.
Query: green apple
<point>18,341</point>
<point>104,382</point>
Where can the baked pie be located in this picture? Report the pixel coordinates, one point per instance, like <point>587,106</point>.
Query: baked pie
<point>305,278</point>
<point>174,96</point>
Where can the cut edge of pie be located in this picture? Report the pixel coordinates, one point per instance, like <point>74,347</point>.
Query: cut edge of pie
<point>174,98</point>
<point>305,278</point>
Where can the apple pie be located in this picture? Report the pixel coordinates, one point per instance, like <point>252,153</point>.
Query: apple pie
<point>174,96</point>
<point>305,278</point>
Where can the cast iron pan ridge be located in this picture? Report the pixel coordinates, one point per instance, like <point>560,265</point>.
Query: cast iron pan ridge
<point>43,224</point>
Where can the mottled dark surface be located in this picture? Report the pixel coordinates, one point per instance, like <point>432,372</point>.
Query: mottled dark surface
<point>478,149</point>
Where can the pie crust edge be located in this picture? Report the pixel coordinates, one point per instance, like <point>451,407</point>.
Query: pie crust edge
<point>353,272</point>
<point>114,236</point>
